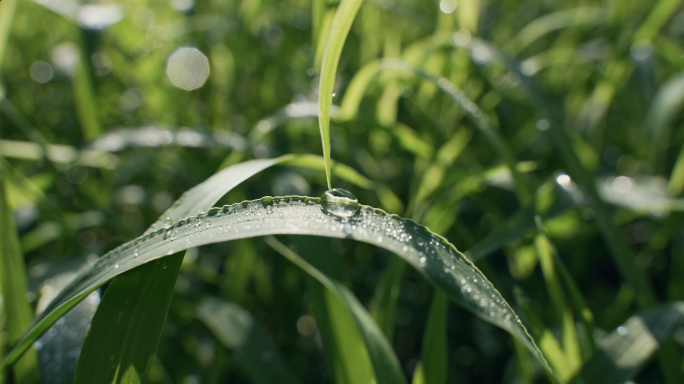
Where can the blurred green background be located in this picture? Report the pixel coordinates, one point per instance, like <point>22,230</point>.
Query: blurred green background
<point>111,110</point>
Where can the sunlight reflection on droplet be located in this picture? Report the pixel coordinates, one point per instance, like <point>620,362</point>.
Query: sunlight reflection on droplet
<point>41,72</point>
<point>188,68</point>
<point>448,6</point>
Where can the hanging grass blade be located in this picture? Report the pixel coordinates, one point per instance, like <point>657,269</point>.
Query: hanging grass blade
<point>338,34</point>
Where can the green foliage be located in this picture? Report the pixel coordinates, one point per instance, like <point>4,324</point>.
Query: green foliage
<point>541,138</point>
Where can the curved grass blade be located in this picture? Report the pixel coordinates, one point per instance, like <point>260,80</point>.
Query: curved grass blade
<point>549,23</point>
<point>133,310</point>
<point>343,345</point>
<point>17,311</point>
<point>126,328</point>
<point>206,194</point>
<point>338,34</point>
<point>432,255</point>
<point>623,352</point>
<point>432,367</point>
<point>235,329</point>
<point>344,348</point>
<point>386,367</point>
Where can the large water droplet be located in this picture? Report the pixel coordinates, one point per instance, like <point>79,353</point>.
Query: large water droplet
<point>339,202</point>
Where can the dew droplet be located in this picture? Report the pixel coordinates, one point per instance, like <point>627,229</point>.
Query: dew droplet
<point>339,202</point>
<point>116,266</point>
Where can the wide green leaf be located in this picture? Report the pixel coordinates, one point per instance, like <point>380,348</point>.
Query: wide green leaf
<point>126,328</point>
<point>432,255</point>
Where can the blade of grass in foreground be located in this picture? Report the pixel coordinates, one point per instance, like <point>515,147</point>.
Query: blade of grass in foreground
<point>338,34</point>
<point>131,315</point>
<point>236,330</point>
<point>623,352</point>
<point>344,348</point>
<point>126,328</point>
<point>386,367</point>
<point>18,314</point>
<point>433,256</point>
<point>432,368</point>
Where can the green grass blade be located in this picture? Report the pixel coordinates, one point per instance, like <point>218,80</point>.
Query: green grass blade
<point>206,194</point>
<point>84,96</point>
<point>663,110</point>
<point>659,15</point>
<point>234,327</point>
<point>556,200</point>
<point>356,89</point>
<point>435,173</point>
<point>475,114</point>
<point>675,185</point>
<point>383,306</point>
<point>623,352</point>
<point>126,328</point>
<point>443,266</point>
<point>138,301</point>
<point>563,311</point>
<point>239,269</point>
<point>343,345</point>
<point>622,254</point>
<point>7,10</point>
<point>432,367</point>
<point>549,23</point>
<point>338,34</point>
<point>18,314</point>
<point>386,367</point>
<point>547,340</point>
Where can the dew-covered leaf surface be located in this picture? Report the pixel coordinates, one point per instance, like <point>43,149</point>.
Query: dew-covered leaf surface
<point>439,261</point>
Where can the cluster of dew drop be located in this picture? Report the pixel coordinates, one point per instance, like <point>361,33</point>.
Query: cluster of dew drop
<point>335,214</point>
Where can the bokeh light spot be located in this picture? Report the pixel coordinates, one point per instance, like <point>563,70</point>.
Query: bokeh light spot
<point>448,6</point>
<point>187,68</point>
<point>41,72</point>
